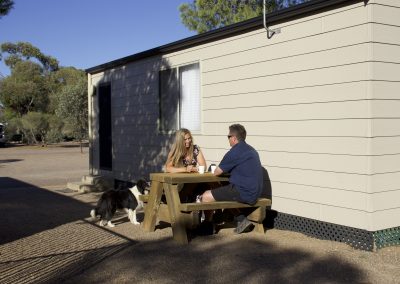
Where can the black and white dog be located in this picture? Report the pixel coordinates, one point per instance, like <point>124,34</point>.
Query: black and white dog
<point>121,198</point>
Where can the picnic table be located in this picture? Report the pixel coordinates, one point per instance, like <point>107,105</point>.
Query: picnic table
<point>177,213</point>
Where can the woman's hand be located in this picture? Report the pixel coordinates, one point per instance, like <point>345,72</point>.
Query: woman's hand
<point>191,169</point>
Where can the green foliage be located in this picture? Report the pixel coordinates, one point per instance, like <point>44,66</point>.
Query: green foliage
<point>13,127</point>
<point>55,134</point>
<point>5,7</point>
<point>59,79</point>
<point>205,15</point>
<point>35,126</point>
<point>72,108</point>
<point>13,123</point>
<point>67,76</point>
<point>25,89</point>
<point>22,51</point>
<point>39,127</point>
<point>43,103</point>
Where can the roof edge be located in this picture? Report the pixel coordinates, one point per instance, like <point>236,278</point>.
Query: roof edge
<point>297,11</point>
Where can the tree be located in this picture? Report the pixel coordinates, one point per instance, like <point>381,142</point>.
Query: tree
<point>22,51</point>
<point>43,102</point>
<point>25,89</point>
<point>206,15</point>
<point>57,80</point>
<point>35,126</point>
<point>72,108</point>
<point>5,7</point>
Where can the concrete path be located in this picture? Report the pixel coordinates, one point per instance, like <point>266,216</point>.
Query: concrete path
<point>47,237</point>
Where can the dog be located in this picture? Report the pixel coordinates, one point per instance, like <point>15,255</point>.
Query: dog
<point>122,198</point>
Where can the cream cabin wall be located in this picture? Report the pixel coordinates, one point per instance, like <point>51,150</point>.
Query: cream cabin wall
<point>303,97</point>
<point>384,182</point>
<point>319,100</point>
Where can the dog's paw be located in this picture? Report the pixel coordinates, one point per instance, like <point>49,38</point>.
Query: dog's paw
<point>111,225</point>
<point>135,223</point>
<point>93,214</point>
<point>103,223</point>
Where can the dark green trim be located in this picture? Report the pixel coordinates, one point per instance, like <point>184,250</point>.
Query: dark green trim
<point>387,237</point>
<point>357,238</point>
<point>302,10</point>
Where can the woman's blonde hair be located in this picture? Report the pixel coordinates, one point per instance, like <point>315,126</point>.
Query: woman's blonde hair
<point>178,149</point>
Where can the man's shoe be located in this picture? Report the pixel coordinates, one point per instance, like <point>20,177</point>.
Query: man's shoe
<point>243,226</point>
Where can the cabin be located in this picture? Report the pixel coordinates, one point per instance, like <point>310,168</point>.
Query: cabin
<point>317,88</point>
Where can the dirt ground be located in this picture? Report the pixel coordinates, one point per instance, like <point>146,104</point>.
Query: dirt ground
<point>46,236</point>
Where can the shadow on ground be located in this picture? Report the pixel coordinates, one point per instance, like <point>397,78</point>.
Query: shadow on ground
<point>10,161</point>
<point>26,209</point>
<point>44,237</point>
<point>221,261</point>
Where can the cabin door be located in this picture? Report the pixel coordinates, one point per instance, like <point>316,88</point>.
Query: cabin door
<point>105,137</point>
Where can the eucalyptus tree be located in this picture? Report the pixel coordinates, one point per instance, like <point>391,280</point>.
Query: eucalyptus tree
<point>24,51</point>
<point>42,100</point>
<point>25,89</point>
<point>5,7</point>
<point>72,108</point>
<point>205,15</point>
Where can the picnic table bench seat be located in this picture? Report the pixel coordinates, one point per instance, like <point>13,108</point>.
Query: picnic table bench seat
<point>256,217</point>
<point>183,216</point>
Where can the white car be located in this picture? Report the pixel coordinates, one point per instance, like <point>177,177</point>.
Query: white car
<point>2,135</point>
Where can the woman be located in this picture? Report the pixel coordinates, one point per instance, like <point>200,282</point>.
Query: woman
<point>184,158</point>
<point>184,155</point>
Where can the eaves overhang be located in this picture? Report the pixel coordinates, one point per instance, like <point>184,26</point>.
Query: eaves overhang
<point>298,11</point>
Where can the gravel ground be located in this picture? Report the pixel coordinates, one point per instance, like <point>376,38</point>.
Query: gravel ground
<point>47,237</point>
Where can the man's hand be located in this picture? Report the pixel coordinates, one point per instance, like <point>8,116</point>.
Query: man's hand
<point>218,171</point>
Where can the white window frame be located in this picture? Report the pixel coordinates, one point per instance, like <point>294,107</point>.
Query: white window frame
<point>176,93</point>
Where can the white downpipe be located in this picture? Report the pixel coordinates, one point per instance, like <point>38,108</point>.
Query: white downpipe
<point>270,33</point>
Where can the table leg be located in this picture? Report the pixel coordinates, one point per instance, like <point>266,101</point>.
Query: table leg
<point>177,218</point>
<point>257,217</point>
<point>151,211</point>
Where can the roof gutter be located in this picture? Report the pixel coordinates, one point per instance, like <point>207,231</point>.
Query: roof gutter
<point>273,18</point>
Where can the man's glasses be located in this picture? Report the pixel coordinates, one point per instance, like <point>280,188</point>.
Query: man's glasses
<point>229,136</point>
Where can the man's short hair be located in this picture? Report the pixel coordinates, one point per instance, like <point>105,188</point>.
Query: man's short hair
<point>239,131</point>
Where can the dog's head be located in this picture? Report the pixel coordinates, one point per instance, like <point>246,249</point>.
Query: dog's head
<point>143,186</point>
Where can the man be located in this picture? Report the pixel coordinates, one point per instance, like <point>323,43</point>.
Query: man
<point>243,164</point>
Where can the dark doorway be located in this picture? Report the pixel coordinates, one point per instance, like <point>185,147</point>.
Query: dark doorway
<point>105,139</point>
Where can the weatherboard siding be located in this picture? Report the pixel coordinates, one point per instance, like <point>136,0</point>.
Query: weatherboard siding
<point>319,100</point>
<point>384,182</point>
<point>303,97</point>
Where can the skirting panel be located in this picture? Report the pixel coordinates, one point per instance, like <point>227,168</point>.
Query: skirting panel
<point>387,237</point>
<point>357,238</point>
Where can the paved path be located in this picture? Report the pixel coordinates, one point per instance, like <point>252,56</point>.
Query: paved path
<point>47,237</point>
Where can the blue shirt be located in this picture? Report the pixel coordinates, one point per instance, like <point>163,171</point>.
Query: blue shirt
<point>243,164</point>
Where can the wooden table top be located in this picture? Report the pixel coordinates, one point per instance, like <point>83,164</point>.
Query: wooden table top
<point>177,178</point>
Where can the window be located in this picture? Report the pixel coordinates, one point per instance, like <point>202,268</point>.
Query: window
<point>180,98</point>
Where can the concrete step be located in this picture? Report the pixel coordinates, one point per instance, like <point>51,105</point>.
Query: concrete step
<point>90,179</point>
<point>98,181</point>
<point>92,183</point>
<point>75,186</point>
<point>83,187</point>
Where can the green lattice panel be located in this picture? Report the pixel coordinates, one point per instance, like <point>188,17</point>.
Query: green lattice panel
<point>387,237</point>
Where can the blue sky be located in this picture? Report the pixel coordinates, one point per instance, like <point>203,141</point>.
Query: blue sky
<point>86,33</point>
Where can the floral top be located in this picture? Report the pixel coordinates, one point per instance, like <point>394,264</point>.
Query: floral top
<point>196,151</point>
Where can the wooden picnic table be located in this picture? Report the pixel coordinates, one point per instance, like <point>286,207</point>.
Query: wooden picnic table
<point>170,184</point>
